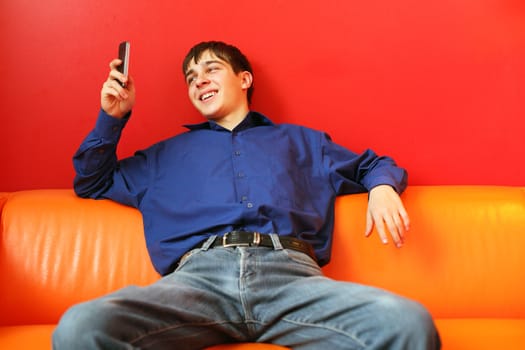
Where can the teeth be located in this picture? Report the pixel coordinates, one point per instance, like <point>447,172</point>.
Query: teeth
<point>207,95</point>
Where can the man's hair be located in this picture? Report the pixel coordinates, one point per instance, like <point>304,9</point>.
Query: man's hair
<point>228,53</point>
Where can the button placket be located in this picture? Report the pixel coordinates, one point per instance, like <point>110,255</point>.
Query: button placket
<point>241,185</point>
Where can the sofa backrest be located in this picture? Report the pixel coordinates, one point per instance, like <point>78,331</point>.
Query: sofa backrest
<point>463,256</point>
<point>57,249</point>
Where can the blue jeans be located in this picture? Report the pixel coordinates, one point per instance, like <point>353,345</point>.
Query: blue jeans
<point>247,294</point>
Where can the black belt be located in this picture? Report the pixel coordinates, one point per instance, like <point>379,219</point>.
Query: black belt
<point>256,239</point>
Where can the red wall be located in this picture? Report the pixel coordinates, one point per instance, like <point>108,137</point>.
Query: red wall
<point>438,85</point>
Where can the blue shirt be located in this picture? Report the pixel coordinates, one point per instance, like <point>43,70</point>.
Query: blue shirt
<point>265,177</point>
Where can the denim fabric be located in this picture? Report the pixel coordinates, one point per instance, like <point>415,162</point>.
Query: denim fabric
<point>247,294</point>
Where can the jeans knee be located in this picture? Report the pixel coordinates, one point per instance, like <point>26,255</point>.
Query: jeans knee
<point>408,319</point>
<point>412,312</point>
<point>78,324</point>
<point>71,324</point>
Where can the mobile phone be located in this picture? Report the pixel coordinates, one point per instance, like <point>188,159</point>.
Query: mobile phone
<point>123,55</point>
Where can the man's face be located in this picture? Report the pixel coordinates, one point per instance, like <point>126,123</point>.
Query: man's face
<point>215,89</point>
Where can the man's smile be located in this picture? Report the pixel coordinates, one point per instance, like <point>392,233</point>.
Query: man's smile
<point>207,95</point>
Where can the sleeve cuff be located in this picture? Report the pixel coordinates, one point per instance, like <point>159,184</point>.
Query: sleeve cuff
<point>398,184</point>
<point>108,127</point>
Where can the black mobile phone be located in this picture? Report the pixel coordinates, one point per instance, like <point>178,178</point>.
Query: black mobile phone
<point>123,55</point>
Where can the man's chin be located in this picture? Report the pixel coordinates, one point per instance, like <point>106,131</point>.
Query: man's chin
<point>208,113</point>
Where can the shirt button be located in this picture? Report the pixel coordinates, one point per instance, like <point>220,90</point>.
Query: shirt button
<point>237,153</point>
<point>249,205</point>
<point>240,174</point>
<point>244,198</point>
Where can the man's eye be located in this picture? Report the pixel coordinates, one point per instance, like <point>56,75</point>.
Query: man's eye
<point>190,80</point>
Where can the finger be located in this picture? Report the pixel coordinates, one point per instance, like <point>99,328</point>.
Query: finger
<point>395,232</point>
<point>399,227</point>
<point>109,89</point>
<point>115,63</point>
<point>115,74</point>
<point>380,228</point>
<point>115,89</point>
<point>405,218</point>
<point>369,224</point>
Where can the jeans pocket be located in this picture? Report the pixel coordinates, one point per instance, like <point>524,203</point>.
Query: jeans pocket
<point>187,257</point>
<point>301,258</point>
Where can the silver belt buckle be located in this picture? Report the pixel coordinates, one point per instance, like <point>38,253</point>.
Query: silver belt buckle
<point>256,239</point>
<point>255,242</point>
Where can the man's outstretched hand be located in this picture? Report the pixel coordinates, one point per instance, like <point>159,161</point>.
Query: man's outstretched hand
<point>387,213</point>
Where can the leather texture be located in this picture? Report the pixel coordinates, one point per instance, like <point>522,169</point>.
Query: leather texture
<point>463,259</point>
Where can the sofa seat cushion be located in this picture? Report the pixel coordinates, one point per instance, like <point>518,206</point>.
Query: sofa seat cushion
<point>36,337</point>
<point>469,333</point>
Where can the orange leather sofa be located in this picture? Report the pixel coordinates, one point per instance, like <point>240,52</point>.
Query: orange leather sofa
<point>464,258</point>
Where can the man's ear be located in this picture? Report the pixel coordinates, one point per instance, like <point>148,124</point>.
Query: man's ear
<point>247,79</point>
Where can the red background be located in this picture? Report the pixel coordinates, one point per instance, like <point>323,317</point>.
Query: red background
<point>439,84</point>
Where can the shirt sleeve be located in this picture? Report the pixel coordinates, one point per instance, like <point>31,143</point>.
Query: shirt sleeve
<point>351,172</point>
<point>99,174</point>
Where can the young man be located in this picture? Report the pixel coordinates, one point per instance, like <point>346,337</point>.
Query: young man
<point>238,217</point>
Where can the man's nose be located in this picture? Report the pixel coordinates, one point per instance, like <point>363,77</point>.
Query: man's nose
<point>201,80</point>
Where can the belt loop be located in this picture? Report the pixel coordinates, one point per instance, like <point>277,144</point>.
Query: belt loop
<point>208,242</point>
<point>276,241</point>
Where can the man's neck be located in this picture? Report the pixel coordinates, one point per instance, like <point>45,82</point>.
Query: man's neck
<point>231,120</point>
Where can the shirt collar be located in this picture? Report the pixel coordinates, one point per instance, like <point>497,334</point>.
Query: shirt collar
<point>251,120</point>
